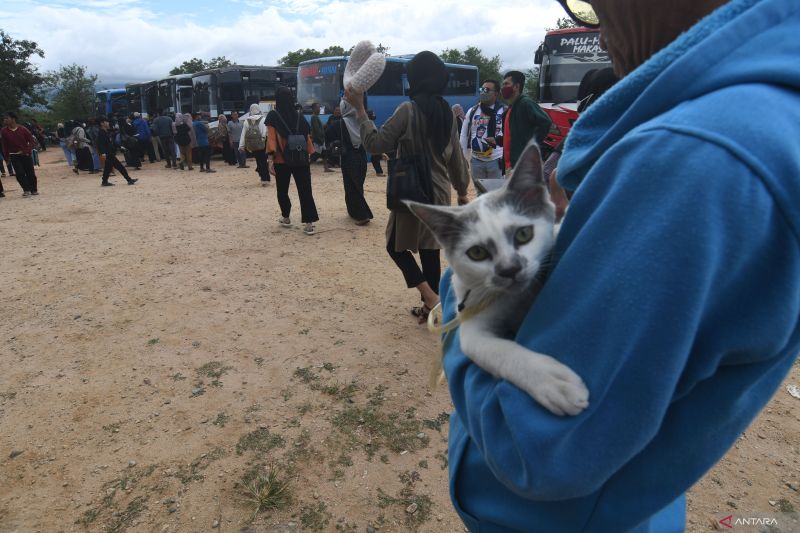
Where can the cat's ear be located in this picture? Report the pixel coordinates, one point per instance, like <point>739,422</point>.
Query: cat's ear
<point>528,171</point>
<point>443,221</point>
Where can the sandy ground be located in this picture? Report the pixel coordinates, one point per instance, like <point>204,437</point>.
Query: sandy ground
<point>164,345</point>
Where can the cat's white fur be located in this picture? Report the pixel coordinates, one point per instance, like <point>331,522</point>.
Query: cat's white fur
<point>493,218</point>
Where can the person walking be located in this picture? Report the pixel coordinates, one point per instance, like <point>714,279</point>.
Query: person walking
<point>235,133</point>
<point>254,139</point>
<point>82,146</point>
<point>184,134</point>
<point>482,134</point>
<point>144,137</point>
<point>108,151</point>
<point>405,234</point>
<point>524,119</point>
<point>318,137</point>
<point>282,122</point>
<point>672,289</point>
<point>129,143</point>
<point>17,144</point>
<point>164,129</point>
<point>353,163</point>
<point>62,142</point>
<point>224,139</point>
<point>200,128</point>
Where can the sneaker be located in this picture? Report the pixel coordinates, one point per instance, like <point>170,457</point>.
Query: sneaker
<point>106,184</point>
<point>34,193</point>
<point>264,183</point>
<point>132,181</point>
<point>285,222</point>
<point>362,222</point>
<point>309,229</point>
<point>25,194</point>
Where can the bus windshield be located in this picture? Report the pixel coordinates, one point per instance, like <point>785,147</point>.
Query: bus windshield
<point>322,83</point>
<point>566,58</point>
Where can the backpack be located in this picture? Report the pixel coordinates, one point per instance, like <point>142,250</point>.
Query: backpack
<point>253,140</point>
<point>295,154</point>
<point>182,136</point>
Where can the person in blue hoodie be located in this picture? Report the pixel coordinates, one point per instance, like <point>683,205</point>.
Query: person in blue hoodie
<point>674,290</point>
<point>144,138</point>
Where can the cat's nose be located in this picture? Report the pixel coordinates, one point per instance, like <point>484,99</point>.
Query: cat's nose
<point>508,270</point>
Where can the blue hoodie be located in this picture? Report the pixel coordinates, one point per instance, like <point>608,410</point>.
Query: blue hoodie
<point>675,292</point>
<point>142,129</point>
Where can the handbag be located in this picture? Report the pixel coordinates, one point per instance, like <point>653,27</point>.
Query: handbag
<point>295,154</point>
<point>410,175</point>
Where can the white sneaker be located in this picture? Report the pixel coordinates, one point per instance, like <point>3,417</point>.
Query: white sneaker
<point>309,229</point>
<point>285,222</point>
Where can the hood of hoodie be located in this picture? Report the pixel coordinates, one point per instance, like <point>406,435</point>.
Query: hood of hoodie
<point>743,42</point>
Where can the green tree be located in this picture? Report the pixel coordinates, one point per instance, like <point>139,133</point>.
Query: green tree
<point>489,68</point>
<point>292,59</point>
<point>18,77</point>
<point>532,83</point>
<point>73,92</point>
<point>196,65</point>
<point>563,24</point>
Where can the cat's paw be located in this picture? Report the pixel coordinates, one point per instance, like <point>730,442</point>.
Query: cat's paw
<point>560,390</point>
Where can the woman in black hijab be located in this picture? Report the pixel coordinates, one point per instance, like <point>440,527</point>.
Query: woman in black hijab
<point>437,132</point>
<point>281,122</point>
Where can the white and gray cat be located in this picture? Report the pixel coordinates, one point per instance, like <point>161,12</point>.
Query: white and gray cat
<point>495,246</point>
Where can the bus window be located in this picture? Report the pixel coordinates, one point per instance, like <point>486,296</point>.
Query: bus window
<point>391,81</point>
<point>463,81</point>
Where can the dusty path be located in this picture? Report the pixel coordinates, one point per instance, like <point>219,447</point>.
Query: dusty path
<point>163,344</point>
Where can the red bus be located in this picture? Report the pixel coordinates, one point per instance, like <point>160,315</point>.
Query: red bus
<point>565,57</point>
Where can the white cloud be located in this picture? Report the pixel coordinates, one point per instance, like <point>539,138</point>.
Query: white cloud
<point>131,42</point>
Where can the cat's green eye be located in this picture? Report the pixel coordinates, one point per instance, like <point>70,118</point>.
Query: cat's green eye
<point>478,253</point>
<point>524,235</point>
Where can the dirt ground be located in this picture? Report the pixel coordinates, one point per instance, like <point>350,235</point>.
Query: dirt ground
<point>171,358</point>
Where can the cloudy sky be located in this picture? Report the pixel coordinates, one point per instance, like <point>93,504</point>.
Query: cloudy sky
<point>135,40</point>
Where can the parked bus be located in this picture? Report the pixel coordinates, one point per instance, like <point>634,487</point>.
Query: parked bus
<point>565,57</point>
<point>134,97</point>
<point>235,88</point>
<point>174,94</point>
<point>111,102</point>
<point>321,81</point>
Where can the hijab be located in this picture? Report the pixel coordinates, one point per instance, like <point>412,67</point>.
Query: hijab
<point>427,79</point>
<point>285,117</point>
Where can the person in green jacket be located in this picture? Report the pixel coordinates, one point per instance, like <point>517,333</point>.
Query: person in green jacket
<point>524,119</point>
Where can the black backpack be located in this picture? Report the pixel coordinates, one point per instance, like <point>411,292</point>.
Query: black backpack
<point>296,152</point>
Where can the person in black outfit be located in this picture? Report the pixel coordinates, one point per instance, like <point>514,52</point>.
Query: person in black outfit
<point>354,168</point>
<point>106,148</point>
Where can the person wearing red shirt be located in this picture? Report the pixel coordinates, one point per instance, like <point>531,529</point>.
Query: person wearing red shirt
<point>17,144</point>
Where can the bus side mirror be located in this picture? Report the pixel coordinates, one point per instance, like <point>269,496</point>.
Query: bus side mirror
<point>537,59</point>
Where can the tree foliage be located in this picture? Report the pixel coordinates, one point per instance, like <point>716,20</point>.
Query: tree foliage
<point>18,77</point>
<point>489,68</point>
<point>293,59</point>
<point>73,92</point>
<point>197,65</point>
<point>563,24</point>
<point>532,83</point>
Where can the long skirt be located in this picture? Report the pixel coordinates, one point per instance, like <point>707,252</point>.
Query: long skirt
<point>84,158</point>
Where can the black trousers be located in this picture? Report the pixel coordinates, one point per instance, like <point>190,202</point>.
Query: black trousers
<point>146,147</point>
<point>302,180</point>
<point>431,265</point>
<point>354,173</point>
<point>204,156</point>
<point>113,163</point>
<point>168,147</point>
<point>376,164</point>
<point>262,167</point>
<point>26,176</point>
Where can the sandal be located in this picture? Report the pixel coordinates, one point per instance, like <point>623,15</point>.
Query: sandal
<point>421,313</point>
